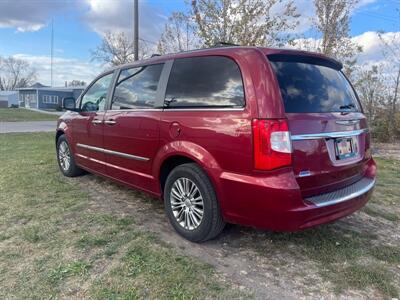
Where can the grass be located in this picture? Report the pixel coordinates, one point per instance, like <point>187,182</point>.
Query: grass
<point>21,115</point>
<point>53,244</point>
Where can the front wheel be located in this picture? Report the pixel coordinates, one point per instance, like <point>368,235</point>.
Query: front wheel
<point>65,159</point>
<point>191,204</point>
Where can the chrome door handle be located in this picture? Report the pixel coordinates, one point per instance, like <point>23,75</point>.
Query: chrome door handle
<point>96,121</point>
<point>110,122</point>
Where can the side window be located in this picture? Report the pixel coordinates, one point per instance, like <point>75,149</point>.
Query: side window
<point>95,97</point>
<point>212,81</point>
<point>137,87</point>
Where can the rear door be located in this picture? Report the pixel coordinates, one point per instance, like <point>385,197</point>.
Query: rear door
<point>328,128</point>
<point>131,126</point>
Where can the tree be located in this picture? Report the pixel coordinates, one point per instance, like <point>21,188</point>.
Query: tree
<point>391,52</point>
<point>179,34</point>
<point>15,73</point>
<point>77,83</point>
<point>244,22</point>
<point>332,21</point>
<point>117,49</point>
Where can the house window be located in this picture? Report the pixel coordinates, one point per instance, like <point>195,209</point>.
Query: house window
<point>50,99</point>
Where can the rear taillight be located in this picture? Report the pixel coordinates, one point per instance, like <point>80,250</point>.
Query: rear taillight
<point>271,143</point>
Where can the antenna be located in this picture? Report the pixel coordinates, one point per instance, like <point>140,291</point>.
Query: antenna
<point>51,52</point>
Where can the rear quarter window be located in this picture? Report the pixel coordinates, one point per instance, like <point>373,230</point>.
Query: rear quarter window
<point>312,88</point>
<point>210,81</point>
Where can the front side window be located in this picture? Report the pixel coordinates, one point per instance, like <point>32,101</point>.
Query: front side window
<point>212,81</point>
<point>95,97</point>
<point>137,87</point>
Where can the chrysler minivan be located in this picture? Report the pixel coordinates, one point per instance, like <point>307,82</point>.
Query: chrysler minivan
<point>270,138</point>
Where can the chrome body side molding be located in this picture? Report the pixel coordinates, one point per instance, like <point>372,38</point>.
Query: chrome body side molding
<point>327,135</point>
<point>116,153</point>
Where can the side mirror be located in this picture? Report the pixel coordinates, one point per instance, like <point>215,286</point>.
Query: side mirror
<point>69,103</point>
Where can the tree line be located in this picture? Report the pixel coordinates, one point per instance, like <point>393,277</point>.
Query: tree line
<point>268,23</point>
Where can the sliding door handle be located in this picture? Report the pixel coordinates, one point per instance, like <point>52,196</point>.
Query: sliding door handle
<point>110,122</point>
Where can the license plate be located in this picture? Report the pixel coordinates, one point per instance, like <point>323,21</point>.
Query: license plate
<point>345,148</point>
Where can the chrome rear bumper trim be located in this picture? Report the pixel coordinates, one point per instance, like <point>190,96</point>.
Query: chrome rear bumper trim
<point>327,135</point>
<point>347,193</point>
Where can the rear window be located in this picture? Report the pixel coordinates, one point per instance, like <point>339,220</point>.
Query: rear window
<point>210,81</point>
<point>312,88</point>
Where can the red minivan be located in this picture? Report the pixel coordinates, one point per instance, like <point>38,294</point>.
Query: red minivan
<point>269,138</point>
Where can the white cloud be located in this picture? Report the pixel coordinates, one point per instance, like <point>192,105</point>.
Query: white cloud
<point>30,15</point>
<point>64,69</point>
<point>117,16</point>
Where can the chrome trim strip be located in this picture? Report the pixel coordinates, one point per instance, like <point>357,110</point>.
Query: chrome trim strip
<point>327,135</point>
<point>134,109</point>
<point>205,109</point>
<point>347,122</point>
<point>116,153</point>
<point>319,202</point>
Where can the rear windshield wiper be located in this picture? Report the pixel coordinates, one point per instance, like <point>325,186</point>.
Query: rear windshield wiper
<point>347,106</point>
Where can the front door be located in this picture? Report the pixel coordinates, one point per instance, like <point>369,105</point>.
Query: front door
<point>131,127</point>
<point>87,126</point>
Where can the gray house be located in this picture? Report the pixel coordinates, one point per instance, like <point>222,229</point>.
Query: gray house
<point>8,98</point>
<point>44,97</point>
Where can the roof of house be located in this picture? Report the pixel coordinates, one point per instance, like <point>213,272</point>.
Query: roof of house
<point>8,93</point>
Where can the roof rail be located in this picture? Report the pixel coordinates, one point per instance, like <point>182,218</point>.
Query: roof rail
<point>224,44</point>
<point>155,54</point>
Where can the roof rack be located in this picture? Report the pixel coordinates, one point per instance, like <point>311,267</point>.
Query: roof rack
<point>155,54</point>
<point>224,44</point>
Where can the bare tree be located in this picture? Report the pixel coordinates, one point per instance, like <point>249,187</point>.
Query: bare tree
<point>117,49</point>
<point>15,73</point>
<point>244,22</point>
<point>391,52</point>
<point>332,21</point>
<point>179,34</point>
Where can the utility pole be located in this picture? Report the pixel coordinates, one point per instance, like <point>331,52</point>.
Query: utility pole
<point>136,29</point>
<point>51,52</point>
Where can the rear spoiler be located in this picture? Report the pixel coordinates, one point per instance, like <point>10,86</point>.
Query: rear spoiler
<point>307,59</point>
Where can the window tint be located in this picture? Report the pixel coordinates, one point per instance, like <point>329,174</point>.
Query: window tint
<point>205,81</point>
<point>96,96</point>
<point>310,88</point>
<point>137,87</point>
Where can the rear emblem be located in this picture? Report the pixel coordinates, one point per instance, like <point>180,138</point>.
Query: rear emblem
<point>304,173</point>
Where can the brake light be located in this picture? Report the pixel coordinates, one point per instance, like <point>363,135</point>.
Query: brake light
<point>271,143</point>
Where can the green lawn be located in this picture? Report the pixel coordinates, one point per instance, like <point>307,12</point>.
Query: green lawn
<point>20,115</point>
<point>55,242</point>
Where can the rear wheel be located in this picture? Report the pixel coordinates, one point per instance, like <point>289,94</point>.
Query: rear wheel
<point>65,159</point>
<point>191,204</point>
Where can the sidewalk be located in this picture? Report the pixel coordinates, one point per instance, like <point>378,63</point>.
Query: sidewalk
<point>32,126</point>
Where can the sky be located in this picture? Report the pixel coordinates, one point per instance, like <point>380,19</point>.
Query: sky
<point>25,30</point>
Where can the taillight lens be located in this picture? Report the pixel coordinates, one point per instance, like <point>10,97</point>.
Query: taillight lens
<point>272,144</point>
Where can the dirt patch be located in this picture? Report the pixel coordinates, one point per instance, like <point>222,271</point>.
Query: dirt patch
<point>388,150</point>
<point>253,260</point>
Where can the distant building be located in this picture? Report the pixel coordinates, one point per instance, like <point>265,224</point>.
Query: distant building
<point>44,97</point>
<point>8,98</point>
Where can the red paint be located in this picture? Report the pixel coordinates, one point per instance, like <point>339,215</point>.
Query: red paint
<point>221,142</point>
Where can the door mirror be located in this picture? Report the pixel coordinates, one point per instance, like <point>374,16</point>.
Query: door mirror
<point>69,103</point>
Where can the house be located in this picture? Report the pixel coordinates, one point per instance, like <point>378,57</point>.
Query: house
<point>44,97</point>
<point>8,98</point>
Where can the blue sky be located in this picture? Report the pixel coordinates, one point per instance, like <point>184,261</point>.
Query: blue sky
<point>79,24</point>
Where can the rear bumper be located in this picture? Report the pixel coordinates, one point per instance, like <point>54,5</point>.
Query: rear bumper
<point>275,202</point>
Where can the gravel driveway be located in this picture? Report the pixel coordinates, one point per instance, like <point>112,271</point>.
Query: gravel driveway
<point>33,126</point>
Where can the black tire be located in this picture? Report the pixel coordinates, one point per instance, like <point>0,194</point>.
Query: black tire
<point>72,170</point>
<point>212,222</point>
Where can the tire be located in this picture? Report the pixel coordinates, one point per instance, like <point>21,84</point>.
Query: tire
<point>65,155</point>
<point>180,192</point>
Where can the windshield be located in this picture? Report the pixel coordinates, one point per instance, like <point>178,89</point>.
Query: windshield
<point>311,88</point>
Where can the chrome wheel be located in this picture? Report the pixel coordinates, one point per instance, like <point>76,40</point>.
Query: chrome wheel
<point>186,203</point>
<point>64,156</point>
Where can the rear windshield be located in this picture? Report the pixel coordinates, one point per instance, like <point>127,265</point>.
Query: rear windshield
<point>311,88</point>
